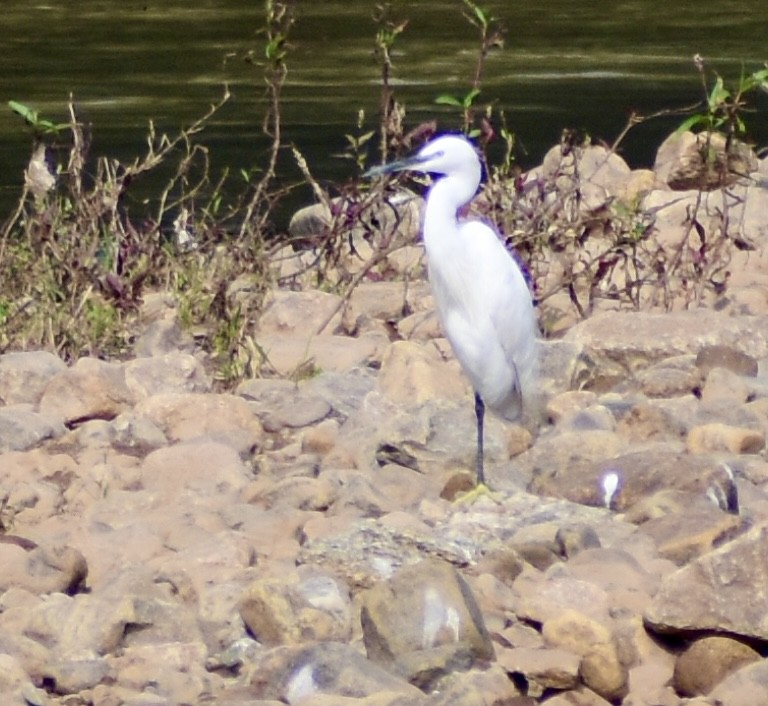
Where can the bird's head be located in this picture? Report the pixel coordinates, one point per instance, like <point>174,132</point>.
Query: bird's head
<point>448,155</point>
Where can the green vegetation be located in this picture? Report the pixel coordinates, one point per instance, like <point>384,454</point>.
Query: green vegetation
<point>76,265</point>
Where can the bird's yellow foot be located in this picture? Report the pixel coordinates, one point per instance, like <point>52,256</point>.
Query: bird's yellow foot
<point>480,490</point>
<point>462,487</point>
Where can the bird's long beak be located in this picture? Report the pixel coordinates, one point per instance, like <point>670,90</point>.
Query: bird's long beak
<point>400,165</point>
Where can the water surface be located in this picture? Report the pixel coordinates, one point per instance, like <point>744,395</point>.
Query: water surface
<point>565,64</point>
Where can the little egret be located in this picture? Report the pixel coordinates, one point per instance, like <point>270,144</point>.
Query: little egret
<point>482,298</point>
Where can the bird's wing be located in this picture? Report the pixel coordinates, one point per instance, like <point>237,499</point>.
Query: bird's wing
<point>497,305</point>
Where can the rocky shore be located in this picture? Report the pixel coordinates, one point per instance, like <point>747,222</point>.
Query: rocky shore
<point>301,540</point>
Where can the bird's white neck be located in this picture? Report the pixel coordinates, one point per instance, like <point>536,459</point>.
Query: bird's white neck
<point>444,200</point>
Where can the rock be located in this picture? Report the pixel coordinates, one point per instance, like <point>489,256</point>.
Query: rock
<point>187,416</point>
<point>175,671</point>
<point>619,573</point>
<point>302,358</point>
<point>542,668</point>
<point>634,341</point>
<point>643,474</point>
<point>723,591</point>
<point>311,606</point>
<point>567,403</point>
<point>296,408</point>
<point>400,211</point>
<point>300,313</point>
<point>162,336</point>
<point>186,468</point>
<point>706,662</point>
<point>80,626</point>
<point>388,301</point>
<point>727,357</point>
<point>24,376</point>
<point>693,530</point>
<point>68,676</point>
<point>700,161</point>
<point>600,667</point>
<point>573,539</point>
<point>670,377</point>
<point>411,374</point>
<point>597,169</point>
<point>724,438</point>
<point>321,438</point>
<point>293,674</point>
<point>90,389</point>
<point>578,697</point>
<point>56,568</point>
<point>568,465</point>
<point>22,429</point>
<point>746,687</point>
<point>541,598</point>
<point>12,674</point>
<point>477,687</point>
<point>172,372</point>
<point>423,620</point>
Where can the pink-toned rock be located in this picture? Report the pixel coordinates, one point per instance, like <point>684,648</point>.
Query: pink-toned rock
<point>724,438</point>
<point>302,355</point>
<point>321,438</point>
<point>195,467</point>
<point>413,374</point>
<point>90,389</point>
<point>388,301</point>
<point>300,313</point>
<point>172,372</point>
<point>184,417</point>
<point>42,569</point>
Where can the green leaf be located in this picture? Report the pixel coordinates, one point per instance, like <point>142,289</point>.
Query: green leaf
<point>24,111</point>
<point>469,99</point>
<point>691,122</point>
<point>449,100</point>
<point>719,94</point>
<point>479,13</point>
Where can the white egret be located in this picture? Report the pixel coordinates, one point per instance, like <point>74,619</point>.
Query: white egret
<point>482,298</point>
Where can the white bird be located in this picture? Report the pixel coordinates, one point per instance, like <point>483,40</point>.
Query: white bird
<point>482,298</point>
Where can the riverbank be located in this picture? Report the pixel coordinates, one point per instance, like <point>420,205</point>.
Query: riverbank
<point>297,540</point>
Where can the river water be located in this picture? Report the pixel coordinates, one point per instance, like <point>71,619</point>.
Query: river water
<point>566,64</point>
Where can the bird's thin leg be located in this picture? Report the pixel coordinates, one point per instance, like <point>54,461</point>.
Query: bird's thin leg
<point>480,414</point>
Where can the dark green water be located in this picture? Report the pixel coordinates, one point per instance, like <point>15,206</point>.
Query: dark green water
<point>565,64</point>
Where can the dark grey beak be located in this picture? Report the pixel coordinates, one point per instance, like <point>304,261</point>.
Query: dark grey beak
<point>400,165</point>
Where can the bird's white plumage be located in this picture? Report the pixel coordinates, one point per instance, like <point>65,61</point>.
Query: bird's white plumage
<point>482,298</point>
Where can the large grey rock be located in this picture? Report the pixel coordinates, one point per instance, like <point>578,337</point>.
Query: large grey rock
<point>23,376</point>
<point>22,429</point>
<point>628,342</point>
<point>293,674</point>
<point>725,591</point>
<point>424,622</point>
